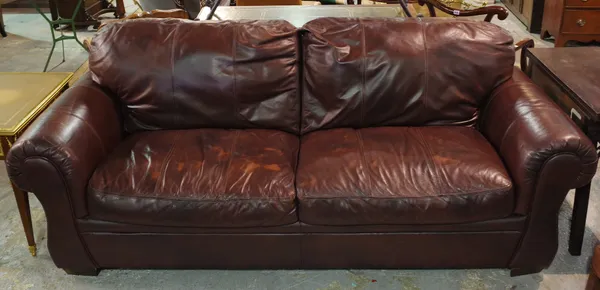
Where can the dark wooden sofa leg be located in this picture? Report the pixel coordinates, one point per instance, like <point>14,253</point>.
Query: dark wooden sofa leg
<point>580,208</point>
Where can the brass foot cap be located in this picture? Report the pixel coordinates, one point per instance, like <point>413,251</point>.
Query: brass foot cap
<point>33,250</point>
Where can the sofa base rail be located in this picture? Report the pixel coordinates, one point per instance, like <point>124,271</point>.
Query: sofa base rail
<point>302,251</point>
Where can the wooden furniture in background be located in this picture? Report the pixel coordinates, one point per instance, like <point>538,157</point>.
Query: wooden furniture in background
<point>570,77</point>
<point>571,20</point>
<point>299,15</point>
<point>489,11</point>
<point>530,12</point>
<point>88,15</point>
<point>63,22</point>
<point>23,97</point>
<point>267,2</point>
<point>2,31</point>
<point>156,13</point>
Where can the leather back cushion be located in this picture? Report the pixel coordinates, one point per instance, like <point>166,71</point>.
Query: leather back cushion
<point>394,72</point>
<point>179,74</point>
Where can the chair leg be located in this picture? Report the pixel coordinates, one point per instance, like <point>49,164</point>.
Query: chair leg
<point>63,50</point>
<point>50,55</point>
<point>74,29</point>
<point>403,4</point>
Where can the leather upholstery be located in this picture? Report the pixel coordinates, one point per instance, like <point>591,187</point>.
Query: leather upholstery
<point>349,143</point>
<point>55,158</point>
<point>401,175</point>
<point>74,134</point>
<point>522,123</point>
<point>213,74</point>
<point>419,72</point>
<point>201,178</point>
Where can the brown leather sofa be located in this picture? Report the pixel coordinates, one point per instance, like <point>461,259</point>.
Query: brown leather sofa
<point>350,143</point>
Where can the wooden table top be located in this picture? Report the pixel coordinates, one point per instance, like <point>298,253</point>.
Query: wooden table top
<point>298,15</point>
<point>577,69</point>
<point>23,96</point>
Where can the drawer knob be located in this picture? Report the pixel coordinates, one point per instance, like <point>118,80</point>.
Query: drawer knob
<point>584,0</point>
<point>581,22</point>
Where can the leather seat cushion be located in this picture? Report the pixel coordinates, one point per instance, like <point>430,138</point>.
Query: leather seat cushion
<point>203,178</point>
<point>401,175</point>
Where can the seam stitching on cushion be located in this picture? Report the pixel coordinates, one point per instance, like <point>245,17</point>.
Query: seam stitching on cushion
<point>166,161</point>
<point>190,199</point>
<point>508,129</point>
<point>494,95</point>
<point>363,158</point>
<point>364,62</point>
<point>176,116</point>
<point>494,191</point>
<point>233,57</point>
<point>231,151</point>
<point>539,169</point>
<point>529,208</point>
<point>426,92</point>
<point>91,129</point>
<point>462,195</point>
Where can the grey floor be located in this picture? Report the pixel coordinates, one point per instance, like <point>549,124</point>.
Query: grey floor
<point>26,49</point>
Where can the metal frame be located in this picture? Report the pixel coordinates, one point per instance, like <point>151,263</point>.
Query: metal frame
<point>57,23</point>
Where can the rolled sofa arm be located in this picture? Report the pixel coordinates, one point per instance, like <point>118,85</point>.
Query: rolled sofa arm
<point>528,129</point>
<point>73,135</point>
<point>56,157</point>
<point>545,154</point>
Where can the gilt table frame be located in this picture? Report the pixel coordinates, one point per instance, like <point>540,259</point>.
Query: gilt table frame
<point>8,136</point>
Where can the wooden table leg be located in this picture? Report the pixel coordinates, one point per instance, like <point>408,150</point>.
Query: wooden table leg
<point>580,207</point>
<point>2,31</point>
<point>120,9</point>
<point>22,198</point>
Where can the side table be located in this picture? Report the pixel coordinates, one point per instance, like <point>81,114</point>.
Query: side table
<point>570,77</point>
<point>23,97</point>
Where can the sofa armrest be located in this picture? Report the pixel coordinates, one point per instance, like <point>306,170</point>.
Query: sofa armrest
<point>529,130</point>
<point>61,149</point>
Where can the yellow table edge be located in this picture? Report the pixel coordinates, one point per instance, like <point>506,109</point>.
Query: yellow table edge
<point>40,107</point>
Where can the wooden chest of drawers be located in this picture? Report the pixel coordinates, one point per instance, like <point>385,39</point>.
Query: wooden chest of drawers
<point>567,20</point>
<point>528,11</point>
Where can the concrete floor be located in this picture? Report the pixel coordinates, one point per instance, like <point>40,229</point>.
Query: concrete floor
<point>26,49</point>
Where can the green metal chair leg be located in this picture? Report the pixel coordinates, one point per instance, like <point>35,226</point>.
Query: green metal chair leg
<point>63,49</point>
<point>75,35</point>
<point>49,56</point>
<point>58,22</point>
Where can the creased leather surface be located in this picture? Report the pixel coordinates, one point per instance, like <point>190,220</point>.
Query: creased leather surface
<point>74,134</point>
<point>400,175</point>
<point>527,128</point>
<point>395,72</point>
<point>195,197</point>
<point>213,74</point>
<point>204,177</point>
